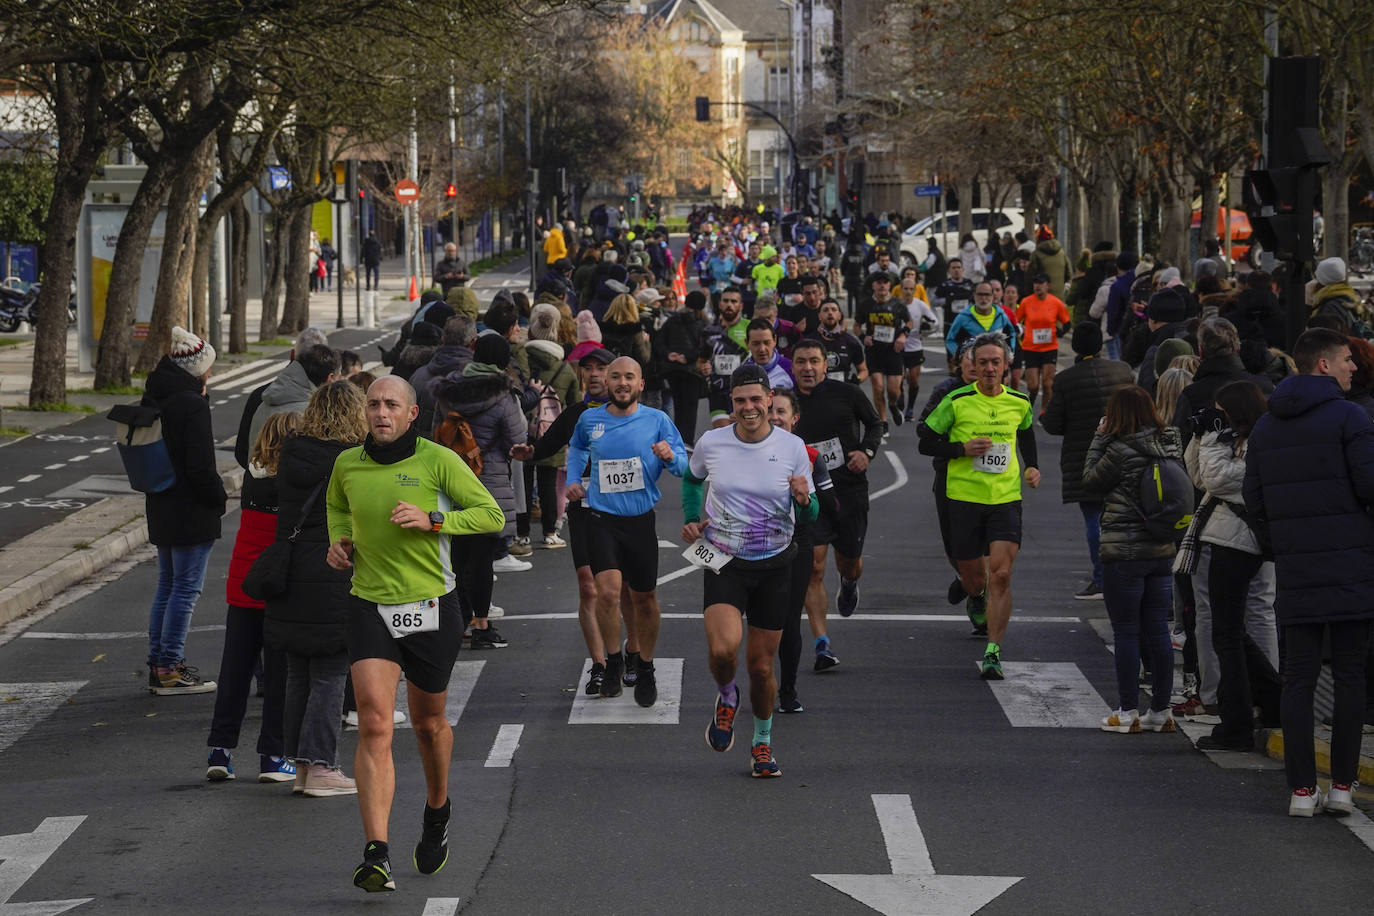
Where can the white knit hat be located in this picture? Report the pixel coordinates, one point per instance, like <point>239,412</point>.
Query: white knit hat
<point>190,352</point>
<point>1332,270</point>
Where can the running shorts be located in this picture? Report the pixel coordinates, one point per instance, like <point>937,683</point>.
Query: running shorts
<point>973,526</point>
<point>848,528</point>
<point>1035,359</point>
<point>426,658</point>
<point>758,589</point>
<point>913,358</point>
<point>625,543</point>
<point>576,515</point>
<point>883,360</point>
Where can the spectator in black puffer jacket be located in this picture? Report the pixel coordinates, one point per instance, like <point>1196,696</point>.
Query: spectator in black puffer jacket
<point>676,346</point>
<point>1079,403</point>
<point>309,620</point>
<point>1137,568</point>
<point>1219,346</point>
<point>1309,477</point>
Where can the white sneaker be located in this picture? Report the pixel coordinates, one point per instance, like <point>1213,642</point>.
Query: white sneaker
<point>494,611</point>
<point>1123,722</point>
<point>1305,802</point>
<point>351,718</point>
<point>510,563</point>
<point>1158,720</point>
<point>1340,800</point>
<point>553,541</point>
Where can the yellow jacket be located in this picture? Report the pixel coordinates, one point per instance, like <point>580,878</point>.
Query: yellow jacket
<point>554,246</point>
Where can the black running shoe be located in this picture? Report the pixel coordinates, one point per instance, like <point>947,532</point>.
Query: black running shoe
<point>788,702</point>
<point>847,598</point>
<point>595,675</point>
<point>631,674</point>
<point>431,853</point>
<point>646,685</point>
<point>375,873</point>
<point>894,407</point>
<point>956,591</point>
<point>611,685</point>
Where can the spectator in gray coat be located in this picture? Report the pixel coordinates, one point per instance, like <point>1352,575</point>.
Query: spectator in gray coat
<point>453,355</point>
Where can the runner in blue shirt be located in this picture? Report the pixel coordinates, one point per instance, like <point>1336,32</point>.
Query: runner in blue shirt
<point>626,446</point>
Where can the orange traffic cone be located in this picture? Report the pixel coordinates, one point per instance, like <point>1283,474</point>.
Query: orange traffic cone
<point>414,290</point>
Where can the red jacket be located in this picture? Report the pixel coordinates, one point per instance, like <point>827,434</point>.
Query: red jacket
<point>257,529</point>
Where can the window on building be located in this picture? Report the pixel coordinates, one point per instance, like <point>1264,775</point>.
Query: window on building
<point>762,163</point>
<point>684,162</point>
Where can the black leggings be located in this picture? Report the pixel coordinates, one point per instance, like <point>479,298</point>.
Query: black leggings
<point>546,479</point>
<point>686,392</point>
<point>789,648</point>
<point>473,555</point>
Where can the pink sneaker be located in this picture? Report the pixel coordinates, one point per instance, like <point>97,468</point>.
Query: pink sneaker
<point>322,782</point>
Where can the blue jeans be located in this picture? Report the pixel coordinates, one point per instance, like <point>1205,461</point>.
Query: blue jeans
<point>1139,594</point>
<point>180,577</point>
<point>1114,348</point>
<point>1092,527</point>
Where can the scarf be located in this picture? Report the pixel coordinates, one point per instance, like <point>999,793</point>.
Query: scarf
<point>391,452</point>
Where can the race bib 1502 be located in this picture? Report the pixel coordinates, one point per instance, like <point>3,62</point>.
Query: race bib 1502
<point>620,475</point>
<point>411,617</point>
<point>995,460</point>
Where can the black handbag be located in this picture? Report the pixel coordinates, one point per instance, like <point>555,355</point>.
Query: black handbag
<point>268,576</point>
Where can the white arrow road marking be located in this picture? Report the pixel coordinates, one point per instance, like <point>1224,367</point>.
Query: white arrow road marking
<point>913,888</point>
<point>1048,695</point>
<point>23,854</point>
<point>440,906</point>
<point>22,706</point>
<point>503,748</point>
<point>623,710</point>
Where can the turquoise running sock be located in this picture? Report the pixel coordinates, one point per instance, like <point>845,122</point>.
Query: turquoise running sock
<point>763,730</point>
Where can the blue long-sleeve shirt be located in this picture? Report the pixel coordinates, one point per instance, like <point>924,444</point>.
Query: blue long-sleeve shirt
<point>612,445</point>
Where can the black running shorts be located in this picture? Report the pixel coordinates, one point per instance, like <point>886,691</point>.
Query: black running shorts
<point>576,515</point>
<point>758,589</point>
<point>1036,359</point>
<point>625,543</point>
<point>973,526</point>
<point>883,360</point>
<point>426,658</point>
<point>847,530</point>
<point>913,358</point>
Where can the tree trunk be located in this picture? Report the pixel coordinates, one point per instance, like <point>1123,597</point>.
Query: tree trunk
<point>964,188</point>
<point>1207,219</point>
<point>121,300</point>
<point>296,314</point>
<point>170,301</point>
<point>82,131</point>
<point>1336,205</point>
<point>1071,235</point>
<point>1176,196</point>
<point>238,277</point>
<point>1030,202</point>
<point>1104,208</point>
<point>276,272</point>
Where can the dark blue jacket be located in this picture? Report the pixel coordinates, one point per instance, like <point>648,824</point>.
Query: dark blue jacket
<point>1309,472</point>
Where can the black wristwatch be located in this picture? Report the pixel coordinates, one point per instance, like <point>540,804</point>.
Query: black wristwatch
<point>436,520</point>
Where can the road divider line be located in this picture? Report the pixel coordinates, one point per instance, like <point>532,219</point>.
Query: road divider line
<point>241,370</point>
<point>55,467</point>
<point>24,705</point>
<point>503,748</point>
<point>5,489</point>
<point>623,710</point>
<point>460,686</point>
<point>441,906</point>
<point>30,478</point>
<point>1048,695</point>
<point>902,478</point>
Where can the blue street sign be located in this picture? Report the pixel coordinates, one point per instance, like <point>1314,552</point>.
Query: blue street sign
<point>279,179</point>
<point>928,190</point>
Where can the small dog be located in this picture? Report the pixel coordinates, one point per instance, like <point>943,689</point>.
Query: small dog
<point>349,276</point>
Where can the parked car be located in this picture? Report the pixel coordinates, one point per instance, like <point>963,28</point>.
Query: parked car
<point>944,228</point>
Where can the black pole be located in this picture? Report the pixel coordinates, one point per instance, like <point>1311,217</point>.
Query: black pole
<point>338,259</point>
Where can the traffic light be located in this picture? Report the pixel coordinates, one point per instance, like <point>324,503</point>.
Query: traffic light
<point>451,191</point>
<point>703,108</point>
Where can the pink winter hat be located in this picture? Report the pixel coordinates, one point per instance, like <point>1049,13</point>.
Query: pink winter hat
<point>587,328</point>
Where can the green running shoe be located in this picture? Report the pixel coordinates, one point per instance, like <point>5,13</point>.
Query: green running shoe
<point>976,606</point>
<point>375,872</point>
<point>992,665</point>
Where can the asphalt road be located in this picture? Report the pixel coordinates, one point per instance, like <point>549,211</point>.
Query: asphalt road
<point>904,772</point>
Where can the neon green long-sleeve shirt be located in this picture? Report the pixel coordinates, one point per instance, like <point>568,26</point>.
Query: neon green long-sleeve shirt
<point>395,565</point>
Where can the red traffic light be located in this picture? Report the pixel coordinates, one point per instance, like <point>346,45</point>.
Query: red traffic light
<point>451,190</point>
<point>362,193</point>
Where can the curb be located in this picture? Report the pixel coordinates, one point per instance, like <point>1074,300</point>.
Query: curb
<point>1273,747</point>
<point>23,595</point>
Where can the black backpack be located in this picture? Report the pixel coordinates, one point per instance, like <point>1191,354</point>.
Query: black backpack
<point>1166,499</point>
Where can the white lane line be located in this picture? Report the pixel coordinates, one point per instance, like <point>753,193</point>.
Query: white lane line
<point>97,451</point>
<point>245,383</point>
<point>22,854</point>
<point>220,402</point>
<point>663,543</point>
<point>1048,695</point>
<point>676,574</point>
<point>906,844</point>
<point>22,706</point>
<point>79,458</point>
<point>218,380</point>
<point>30,479</point>
<point>503,748</point>
<point>623,710</point>
<point>1360,825</point>
<point>441,906</point>
<point>54,467</point>
<point>5,489</point>
<point>897,484</point>
<point>460,686</point>
<point>127,634</point>
<point>871,618</point>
